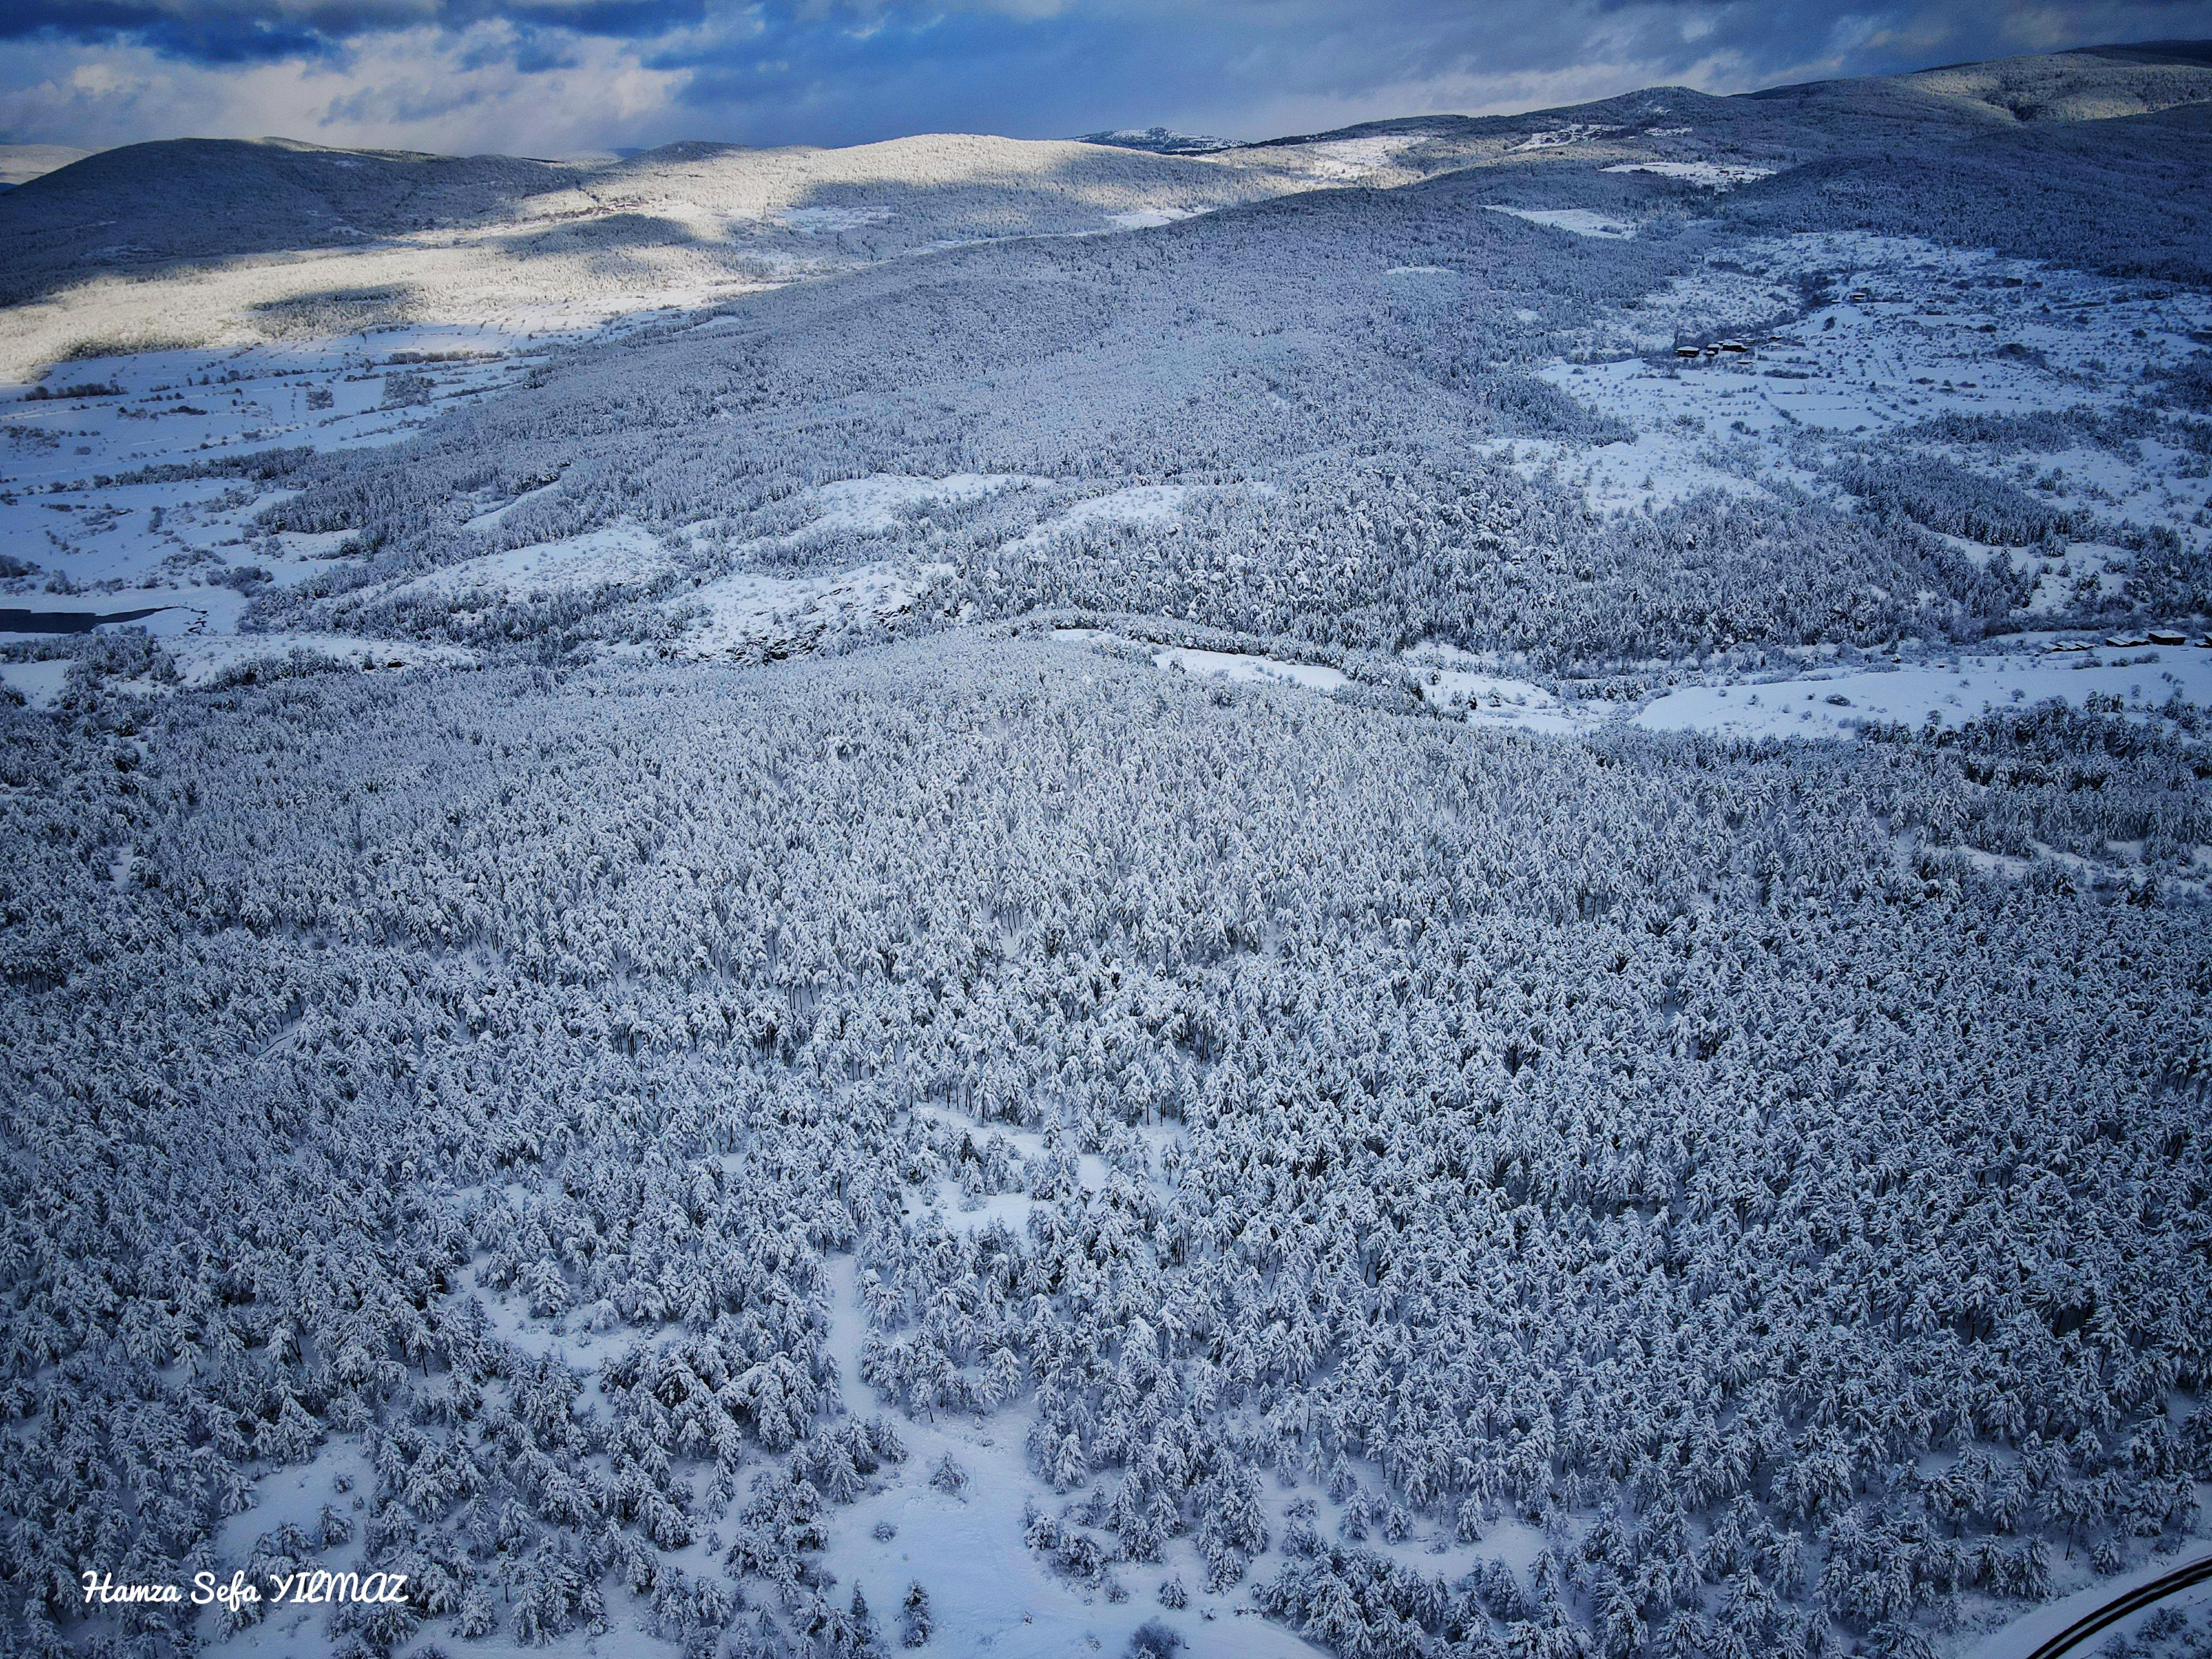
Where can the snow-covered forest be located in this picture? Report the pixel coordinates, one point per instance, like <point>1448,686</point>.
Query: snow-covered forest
<point>1434,891</point>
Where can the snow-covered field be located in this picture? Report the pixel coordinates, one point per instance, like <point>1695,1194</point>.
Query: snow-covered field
<point>1314,676</point>
<point>1584,222</point>
<point>748,613</point>
<point>1712,175</point>
<point>874,504</point>
<point>1832,703</point>
<point>1915,333</point>
<point>1138,504</point>
<point>1349,160</point>
<point>619,555</point>
<point>1457,684</point>
<point>1942,693</point>
<point>115,491</point>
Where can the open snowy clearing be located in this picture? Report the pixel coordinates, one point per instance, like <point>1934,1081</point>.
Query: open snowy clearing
<point>1914,333</point>
<point>1454,682</point>
<point>749,612</point>
<point>39,683</point>
<point>1834,705</point>
<point>1250,666</point>
<point>1235,665</point>
<point>876,504</point>
<point>89,493</point>
<point>1156,504</point>
<point>1655,469</point>
<point>1573,132</point>
<point>1346,160</point>
<point>1712,175</point>
<point>1448,679</point>
<point>90,499</point>
<point>617,556</point>
<point>1817,704</point>
<point>492,518</point>
<point>1583,222</point>
<point>1149,218</point>
<point>993,1595</point>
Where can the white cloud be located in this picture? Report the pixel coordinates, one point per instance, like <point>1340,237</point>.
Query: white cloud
<point>421,88</point>
<point>837,71</point>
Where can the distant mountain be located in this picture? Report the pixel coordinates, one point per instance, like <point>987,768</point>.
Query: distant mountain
<point>400,235</point>
<point>20,163</point>
<point>1160,140</point>
<point>2101,83</point>
<point>198,198</point>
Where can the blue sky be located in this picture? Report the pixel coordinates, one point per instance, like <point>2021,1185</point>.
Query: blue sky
<point>557,76</point>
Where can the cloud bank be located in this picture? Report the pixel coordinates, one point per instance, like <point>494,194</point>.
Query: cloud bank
<point>555,76</point>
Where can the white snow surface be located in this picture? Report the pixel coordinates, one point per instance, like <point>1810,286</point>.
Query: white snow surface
<point>1149,218</point>
<point>1956,690</point>
<point>1457,683</point>
<point>40,683</point>
<point>613,556</point>
<point>493,518</point>
<point>1223,664</point>
<point>1346,160</point>
<point>1937,332</point>
<point>991,1595</point>
<point>1572,133</point>
<point>873,504</point>
<point>1713,175</point>
<point>132,545</point>
<point>1583,222</point>
<point>749,610</point>
<point>1158,504</point>
<point>1238,666</point>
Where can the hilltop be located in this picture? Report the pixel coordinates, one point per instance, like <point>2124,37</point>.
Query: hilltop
<point>208,241</point>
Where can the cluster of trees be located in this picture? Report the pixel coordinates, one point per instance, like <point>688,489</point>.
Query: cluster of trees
<point>2051,777</point>
<point>1362,555</point>
<point>2171,1633</point>
<point>1380,557</point>
<point>1953,500</point>
<point>1444,1125</point>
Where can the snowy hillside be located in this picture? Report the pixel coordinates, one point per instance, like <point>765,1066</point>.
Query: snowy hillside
<point>1435,891</point>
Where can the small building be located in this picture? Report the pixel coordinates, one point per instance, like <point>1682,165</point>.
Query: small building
<point>1687,354</point>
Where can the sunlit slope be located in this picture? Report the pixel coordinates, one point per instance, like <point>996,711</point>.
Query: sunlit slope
<point>217,242</point>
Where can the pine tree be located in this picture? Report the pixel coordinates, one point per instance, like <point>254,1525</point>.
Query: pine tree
<point>915,1621</point>
<point>866,1640</point>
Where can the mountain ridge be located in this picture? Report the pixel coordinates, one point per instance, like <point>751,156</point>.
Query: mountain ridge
<point>260,239</point>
